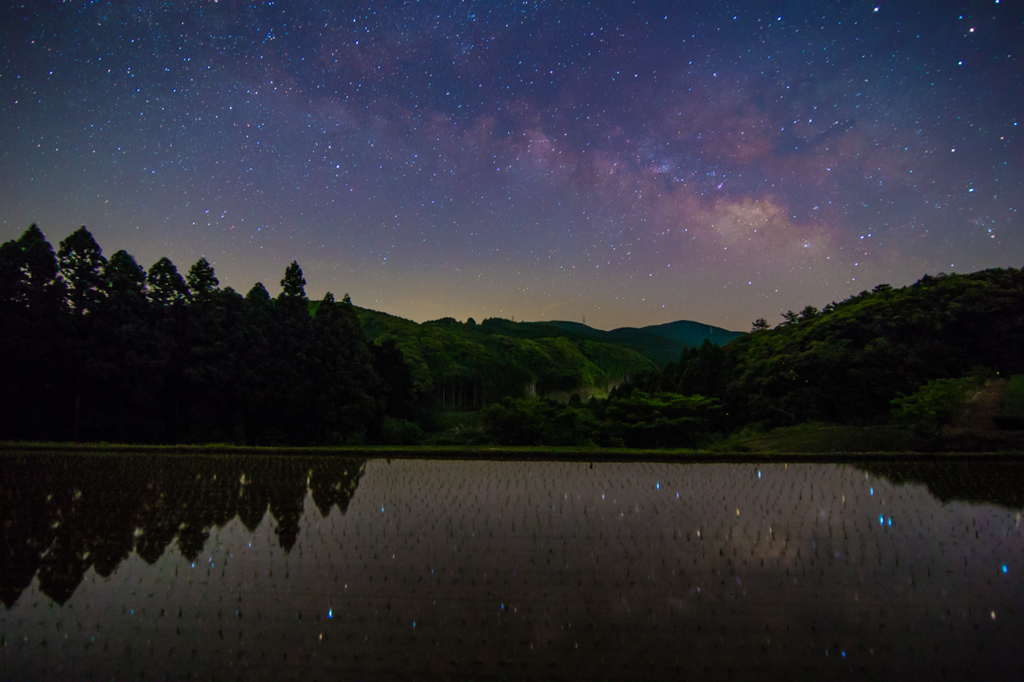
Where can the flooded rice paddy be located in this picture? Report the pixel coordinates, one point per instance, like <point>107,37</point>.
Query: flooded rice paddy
<point>125,567</point>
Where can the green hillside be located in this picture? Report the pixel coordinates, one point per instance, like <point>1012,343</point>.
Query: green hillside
<point>691,333</point>
<point>661,343</point>
<point>848,362</point>
<point>467,366</point>
<point>661,349</point>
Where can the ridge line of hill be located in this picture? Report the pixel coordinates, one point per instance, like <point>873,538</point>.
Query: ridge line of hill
<point>661,343</point>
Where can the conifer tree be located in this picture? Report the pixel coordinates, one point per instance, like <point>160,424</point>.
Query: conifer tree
<point>293,286</point>
<point>166,285</point>
<point>201,280</point>
<point>81,267</point>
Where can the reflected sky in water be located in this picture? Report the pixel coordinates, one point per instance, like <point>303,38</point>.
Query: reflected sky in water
<point>270,567</point>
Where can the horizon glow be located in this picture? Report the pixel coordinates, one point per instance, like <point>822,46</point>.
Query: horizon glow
<point>534,161</point>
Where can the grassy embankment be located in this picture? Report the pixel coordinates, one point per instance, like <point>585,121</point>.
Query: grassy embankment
<point>807,443</point>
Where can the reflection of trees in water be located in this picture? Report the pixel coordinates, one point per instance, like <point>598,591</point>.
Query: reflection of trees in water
<point>979,481</point>
<point>286,496</point>
<point>61,515</point>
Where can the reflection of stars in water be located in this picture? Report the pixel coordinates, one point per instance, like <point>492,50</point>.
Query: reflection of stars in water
<point>530,160</point>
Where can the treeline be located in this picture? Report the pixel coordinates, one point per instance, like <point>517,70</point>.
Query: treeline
<point>909,356</point>
<point>847,363</point>
<point>93,348</point>
<point>632,419</point>
<point>60,516</point>
<point>100,349</point>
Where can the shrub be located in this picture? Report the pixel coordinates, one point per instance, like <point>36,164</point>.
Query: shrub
<point>400,432</point>
<point>933,406</point>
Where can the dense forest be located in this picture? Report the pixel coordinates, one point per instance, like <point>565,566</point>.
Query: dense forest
<point>467,366</point>
<point>909,355</point>
<point>93,348</point>
<point>848,362</point>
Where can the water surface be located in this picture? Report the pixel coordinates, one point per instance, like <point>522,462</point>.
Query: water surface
<point>301,568</point>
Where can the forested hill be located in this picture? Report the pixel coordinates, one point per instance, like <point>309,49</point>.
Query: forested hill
<point>671,338</point>
<point>98,348</point>
<point>662,343</point>
<point>847,362</point>
<point>469,365</point>
<point>692,333</point>
<point>638,348</point>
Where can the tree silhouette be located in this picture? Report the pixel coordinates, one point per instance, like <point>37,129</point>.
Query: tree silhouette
<point>40,289</point>
<point>808,313</point>
<point>291,370</point>
<point>293,286</point>
<point>126,379</point>
<point>125,283</point>
<point>11,274</point>
<point>396,379</point>
<point>201,280</point>
<point>166,286</point>
<point>346,393</point>
<point>81,268</point>
<point>33,338</point>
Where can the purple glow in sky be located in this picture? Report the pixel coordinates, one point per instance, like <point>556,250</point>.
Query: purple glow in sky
<point>633,163</point>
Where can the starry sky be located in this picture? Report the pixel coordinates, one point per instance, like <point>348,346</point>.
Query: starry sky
<point>626,163</point>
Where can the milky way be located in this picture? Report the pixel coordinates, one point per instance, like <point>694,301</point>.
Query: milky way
<point>633,164</point>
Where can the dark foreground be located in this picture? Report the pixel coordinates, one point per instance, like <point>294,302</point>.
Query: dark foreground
<point>171,567</point>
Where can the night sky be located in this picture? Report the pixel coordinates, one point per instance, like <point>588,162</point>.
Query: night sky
<point>631,163</point>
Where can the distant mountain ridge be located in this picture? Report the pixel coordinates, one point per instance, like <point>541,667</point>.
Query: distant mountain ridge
<point>661,342</point>
<point>693,333</point>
